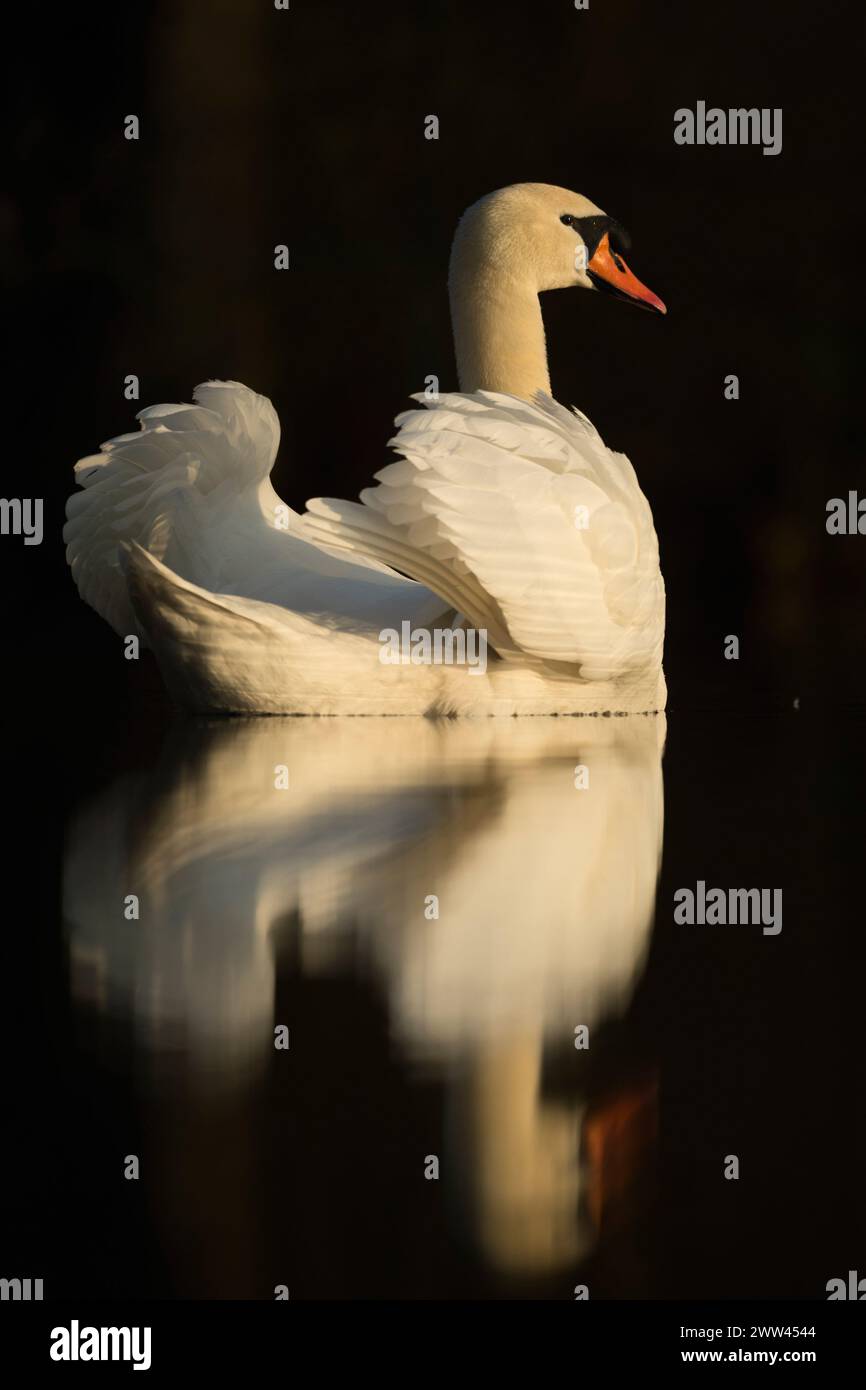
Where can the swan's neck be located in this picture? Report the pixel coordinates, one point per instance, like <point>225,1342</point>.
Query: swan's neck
<point>498,333</point>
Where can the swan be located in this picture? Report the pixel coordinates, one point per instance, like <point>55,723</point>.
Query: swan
<point>505,515</point>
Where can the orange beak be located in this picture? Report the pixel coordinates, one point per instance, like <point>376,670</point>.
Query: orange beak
<point>608,271</point>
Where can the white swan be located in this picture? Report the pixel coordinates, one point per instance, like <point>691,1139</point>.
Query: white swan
<point>506,514</point>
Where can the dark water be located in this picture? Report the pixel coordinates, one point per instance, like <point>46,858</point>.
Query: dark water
<point>414,1037</point>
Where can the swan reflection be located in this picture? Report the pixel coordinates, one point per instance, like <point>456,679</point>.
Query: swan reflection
<point>496,879</point>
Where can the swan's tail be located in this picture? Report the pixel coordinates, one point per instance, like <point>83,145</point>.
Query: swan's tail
<point>160,487</point>
<point>201,640</point>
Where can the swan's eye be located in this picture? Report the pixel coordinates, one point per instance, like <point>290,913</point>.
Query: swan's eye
<point>568,220</point>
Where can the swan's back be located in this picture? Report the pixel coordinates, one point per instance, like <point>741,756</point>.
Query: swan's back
<point>521,518</point>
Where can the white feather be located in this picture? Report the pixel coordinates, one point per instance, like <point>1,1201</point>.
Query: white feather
<point>488,505</point>
<point>193,489</point>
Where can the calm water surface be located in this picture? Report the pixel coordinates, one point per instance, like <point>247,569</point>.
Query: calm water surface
<point>438,914</point>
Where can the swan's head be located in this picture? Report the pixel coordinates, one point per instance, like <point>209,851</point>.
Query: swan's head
<point>547,238</point>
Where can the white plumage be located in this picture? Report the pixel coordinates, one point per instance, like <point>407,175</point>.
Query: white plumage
<point>193,489</point>
<point>518,514</point>
<point>505,513</point>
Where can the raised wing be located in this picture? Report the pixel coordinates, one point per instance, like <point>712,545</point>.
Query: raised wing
<point>192,488</point>
<point>158,485</point>
<point>518,515</point>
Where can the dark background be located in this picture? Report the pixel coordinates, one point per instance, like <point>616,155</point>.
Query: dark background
<point>156,258</point>
<point>306,127</point>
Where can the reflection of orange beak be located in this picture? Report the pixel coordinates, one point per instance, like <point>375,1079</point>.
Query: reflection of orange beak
<point>608,271</point>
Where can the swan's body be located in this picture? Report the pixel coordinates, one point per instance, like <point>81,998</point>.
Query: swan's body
<point>507,511</point>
